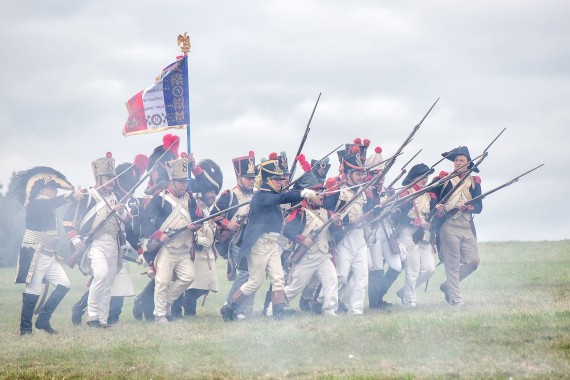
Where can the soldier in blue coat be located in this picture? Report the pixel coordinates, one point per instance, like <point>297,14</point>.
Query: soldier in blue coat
<point>260,239</point>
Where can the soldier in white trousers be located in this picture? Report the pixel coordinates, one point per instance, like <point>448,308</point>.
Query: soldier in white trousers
<point>351,254</point>
<point>171,209</point>
<point>206,186</point>
<point>38,261</point>
<point>414,235</point>
<point>102,258</point>
<point>299,227</point>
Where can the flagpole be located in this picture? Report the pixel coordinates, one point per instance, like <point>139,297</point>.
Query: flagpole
<point>184,43</point>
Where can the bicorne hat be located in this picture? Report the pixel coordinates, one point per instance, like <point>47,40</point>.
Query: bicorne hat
<point>416,171</point>
<point>27,183</point>
<point>460,151</point>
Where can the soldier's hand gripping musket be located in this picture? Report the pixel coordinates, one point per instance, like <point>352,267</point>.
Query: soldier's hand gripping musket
<point>86,239</point>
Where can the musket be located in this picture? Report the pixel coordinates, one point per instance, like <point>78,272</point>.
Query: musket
<point>153,246</point>
<point>381,162</point>
<point>294,166</point>
<point>403,170</point>
<point>216,214</point>
<point>75,256</point>
<point>464,176</point>
<point>394,201</point>
<point>406,142</point>
<point>481,196</point>
<point>302,249</point>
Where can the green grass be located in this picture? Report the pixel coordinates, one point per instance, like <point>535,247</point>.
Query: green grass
<point>516,324</point>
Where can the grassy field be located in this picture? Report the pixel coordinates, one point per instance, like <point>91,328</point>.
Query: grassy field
<point>515,324</point>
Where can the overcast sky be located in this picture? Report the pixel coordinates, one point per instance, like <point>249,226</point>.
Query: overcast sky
<point>257,67</point>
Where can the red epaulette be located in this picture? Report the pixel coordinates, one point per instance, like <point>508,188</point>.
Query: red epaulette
<point>225,192</point>
<point>330,182</point>
<point>477,179</point>
<point>432,195</point>
<point>405,193</point>
<point>292,215</point>
<point>442,174</point>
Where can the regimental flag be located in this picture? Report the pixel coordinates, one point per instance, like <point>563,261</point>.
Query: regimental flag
<point>163,105</point>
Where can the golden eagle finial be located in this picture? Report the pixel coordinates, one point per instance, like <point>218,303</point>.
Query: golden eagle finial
<point>184,43</point>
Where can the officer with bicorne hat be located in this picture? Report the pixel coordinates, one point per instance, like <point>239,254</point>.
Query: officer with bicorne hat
<point>456,236</point>
<point>38,261</point>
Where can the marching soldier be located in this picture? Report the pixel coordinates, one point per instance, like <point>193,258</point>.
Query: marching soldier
<point>350,253</point>
<point>129,175</point>
<point>298,228</point>
<point>102,258</point>
<point>206,186</point>
<point>457,241</point>
<point>380,281</point>
<point>260,240</point>
<point>233,224</point>
<point>414,235</point>
<point>38,261</point>
<point>172,208</point>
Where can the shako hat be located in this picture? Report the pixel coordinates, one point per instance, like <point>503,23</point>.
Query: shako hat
<point>211,180</point>
<point>27,183</point>
<point>340,154</point>
<point>416,171</point>
<point>283,163</point>
<point>245,166</point>
<point>309,179</point>
<point>460,151</point>
<point>320,169</point>
<point>129,174</point>
<point>362,146</point>
<point>353,160</point>
<point>104,166</point>
<point>170,144</point>
<point>270,168</point>
<point>178,169</point>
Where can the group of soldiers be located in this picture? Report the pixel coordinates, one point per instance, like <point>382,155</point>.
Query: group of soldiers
<point>329,240</point>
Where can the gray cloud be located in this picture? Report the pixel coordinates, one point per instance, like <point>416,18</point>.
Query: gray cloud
<point>256,68</point>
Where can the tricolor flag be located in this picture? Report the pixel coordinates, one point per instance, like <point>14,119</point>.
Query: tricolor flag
<point>163,105</point>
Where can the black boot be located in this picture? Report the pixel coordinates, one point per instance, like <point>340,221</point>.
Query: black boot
<point>141,303</point>
<point>374,283</point>
<point>42,323</point>
<point>389,277</point>
<point>115,308</point>
<point>229,310</point>
<point>79,308</point>
<point>28,304</point>
<point>176,308</point>
<point>304,304</point>
<point>190,299</point>
<point>316,307</point>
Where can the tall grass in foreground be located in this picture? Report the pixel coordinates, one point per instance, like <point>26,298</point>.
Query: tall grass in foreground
<point>515,324</point>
